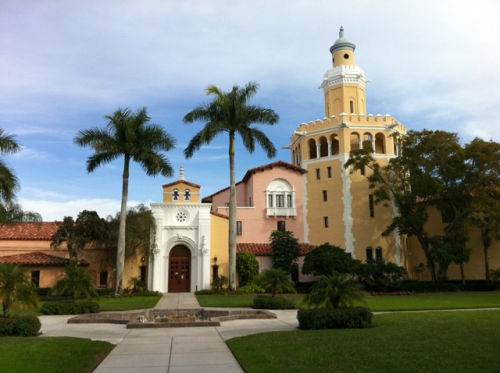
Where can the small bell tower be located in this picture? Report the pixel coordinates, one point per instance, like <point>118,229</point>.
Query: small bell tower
<point>344,84</point>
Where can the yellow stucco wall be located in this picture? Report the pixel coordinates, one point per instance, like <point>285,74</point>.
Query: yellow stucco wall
<point>218,244</point>
<point>181,187</point>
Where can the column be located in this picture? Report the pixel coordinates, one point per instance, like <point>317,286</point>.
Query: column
<point>329,148</point>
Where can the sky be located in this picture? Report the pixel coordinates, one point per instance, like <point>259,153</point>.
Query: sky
<point>64,65</point>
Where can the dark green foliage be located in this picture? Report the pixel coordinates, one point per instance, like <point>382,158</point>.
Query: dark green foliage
<point>77,282</point>
<point>378,275</point>
<point>285,250</point>
<point>252,288</point>
<point>275,280</point>
<point>328,318</point>
<point>147,293</point>
<point>336,291</point>
<point>220,283</point>
<point>15,288</point>
<point>247,267</point>
<point>70,308</point>
<point>276,303</point>
<point>136,284</point>
<point>42,292</point>
<point>327,259</point>
<point>20,326</point>
<point>204,292</point>
<point>103,292</point>
<point>449,286</point>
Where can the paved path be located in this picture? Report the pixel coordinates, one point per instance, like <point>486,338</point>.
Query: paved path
<point>169,349</point>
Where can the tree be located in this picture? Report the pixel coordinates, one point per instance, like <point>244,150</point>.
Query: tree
<point>334,291</point>
<point>128,135</point>
<point>11,212</point>
<point>328,259</point>
<point>15,288</point>
<point>9,183</point>
<point>229,112</point>
<point>285,250</point>
<point>489,225</point>
<point>77,281</point>
<point>247,267</point>
<point>276,280</point>
<point>87,231</point>
<point>140,236</point>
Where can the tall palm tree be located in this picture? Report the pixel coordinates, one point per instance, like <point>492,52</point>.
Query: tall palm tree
<point>9,184</point>
<point>15,288</point>
<point>229,112</point>
<point>128,135</point>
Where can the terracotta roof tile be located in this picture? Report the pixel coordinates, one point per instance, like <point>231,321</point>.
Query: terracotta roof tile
<point>264,249</point>
<point>37,258</point>
<point>28,231</point>
<point>181,182</point>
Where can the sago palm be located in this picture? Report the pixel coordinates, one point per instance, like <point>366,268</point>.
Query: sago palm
<point>77,281</point>
<point>335,291</point>
<point>131,136</point>
<point>230,112</point>
<point>15,288</point>
<point>276,280</point>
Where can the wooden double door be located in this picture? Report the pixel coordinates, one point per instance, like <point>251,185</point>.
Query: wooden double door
<point>179,270</point>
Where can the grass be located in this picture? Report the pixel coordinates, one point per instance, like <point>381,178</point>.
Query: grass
<point>428,301</point>
<point>444,342</point>
<point>51,355</point>
<point>109,304</point>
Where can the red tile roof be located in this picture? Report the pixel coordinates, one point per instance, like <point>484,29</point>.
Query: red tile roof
<point>28,231</point>
<point>37,258</point>
<point>181,182</point>
<point>264,249</point>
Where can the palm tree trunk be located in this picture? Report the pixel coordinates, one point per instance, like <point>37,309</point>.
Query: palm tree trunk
<point>486,264</point>
<point>232,216</point>
<point>120,255</point>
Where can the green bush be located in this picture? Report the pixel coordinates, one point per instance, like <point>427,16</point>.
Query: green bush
<point>20,326</point>
<point>328,318</point>
<point>43,292</point>
<point>70,308</point>
<point>252,289</point>
<point>268,303</point>
<point>380,276</point>
<point>220,283</point>
<point>247,267</point>
<point>147,293</point>
<point>204,292</point>
<point>104,292</point>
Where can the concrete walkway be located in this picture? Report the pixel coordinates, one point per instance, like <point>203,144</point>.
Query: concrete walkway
<point>169,349</point>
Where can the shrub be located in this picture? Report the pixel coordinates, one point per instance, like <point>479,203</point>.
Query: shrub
<point>247,267</point>
<point>70,308</point>
<point>20,326</point>
<point>268,303</point>
<point>275,280</point>
<point>219,283</point>
<point>136,284</point>
<point>495,275</point>
<point>204,292</point>
<point>43,292</point>
<point>328,318</point>
<point>378,275</point>
<point>103,292</point>
<point>147,293</point>
<point>285,250</point>
<point>77,282</point>
<point>327,259</point>
<point>252,288</point>
<point>335,291</point>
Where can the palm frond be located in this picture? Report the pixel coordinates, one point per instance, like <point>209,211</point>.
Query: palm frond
<point>7,143</point>
<point>9,183</point>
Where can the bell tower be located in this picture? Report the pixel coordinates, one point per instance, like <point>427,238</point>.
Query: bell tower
<point>344,84</point>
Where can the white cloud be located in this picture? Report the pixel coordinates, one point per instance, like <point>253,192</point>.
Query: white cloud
<point>30,154</point>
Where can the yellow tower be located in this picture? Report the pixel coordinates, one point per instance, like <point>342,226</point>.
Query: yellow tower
<point>339,206</point>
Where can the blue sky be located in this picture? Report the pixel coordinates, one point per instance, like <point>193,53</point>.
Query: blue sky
<point>65,65</point>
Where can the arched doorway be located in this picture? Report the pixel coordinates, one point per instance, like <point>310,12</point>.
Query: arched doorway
<point>179,268</point>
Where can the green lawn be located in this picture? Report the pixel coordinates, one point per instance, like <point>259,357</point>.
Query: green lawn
<point>428,301</point>
<point>109,304</point>
<point>444,342</point>
<point>51,355</point>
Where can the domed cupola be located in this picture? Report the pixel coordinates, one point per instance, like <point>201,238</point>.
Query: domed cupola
<point>342,43</point>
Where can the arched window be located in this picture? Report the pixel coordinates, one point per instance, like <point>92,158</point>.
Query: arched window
<point>280,199</point>
<point>323,146</point>
<point>175,195</point>
<point>335,144</point>
<point>354,141</point>
<point>312,149</point>
<point>380,143</point>
<point>367,141</point>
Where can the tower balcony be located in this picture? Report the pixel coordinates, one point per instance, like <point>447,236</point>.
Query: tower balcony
<point>281,211</point>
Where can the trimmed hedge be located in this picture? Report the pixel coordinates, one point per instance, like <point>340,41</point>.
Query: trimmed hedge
<point>268,303</point>
<point>20,326</point>
<point>449,286</point>
<point>70,308</point>
<point>330,318</point>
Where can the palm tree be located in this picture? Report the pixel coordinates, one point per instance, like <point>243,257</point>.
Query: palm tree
<point>276,280</point>
<point>15,288</point>
<point>9,184</point>
<point>229,112</point>
<point>335,291</point>
<point>129,135</point>
<point>77,281</point>
<point>489,225</point>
